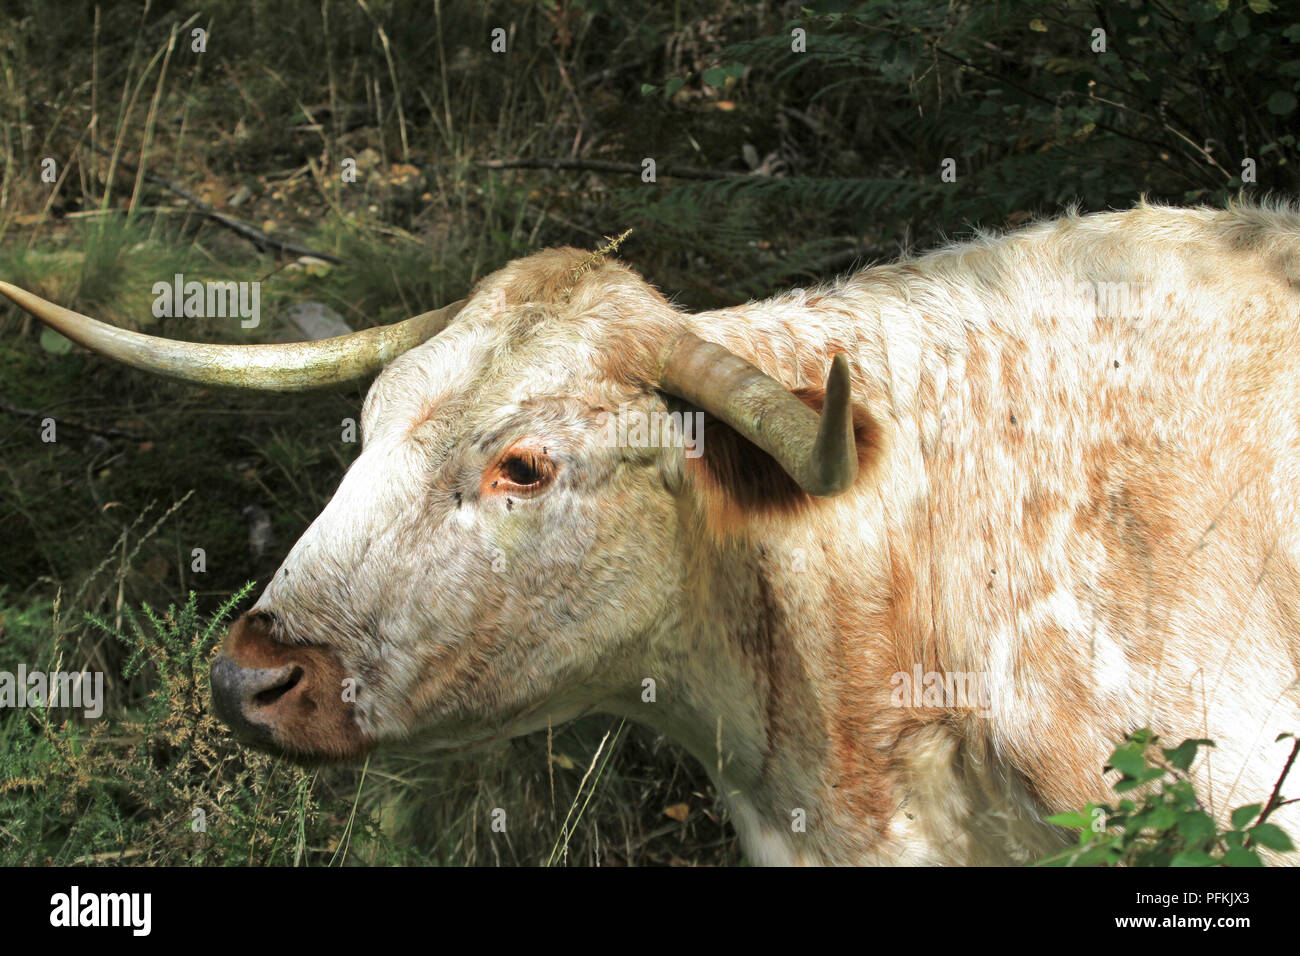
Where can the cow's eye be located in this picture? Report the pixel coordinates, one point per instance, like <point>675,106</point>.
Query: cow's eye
<point>523,469</point>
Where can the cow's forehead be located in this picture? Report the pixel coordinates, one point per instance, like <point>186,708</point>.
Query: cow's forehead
<point>556,324</point>
<point>494,357</point>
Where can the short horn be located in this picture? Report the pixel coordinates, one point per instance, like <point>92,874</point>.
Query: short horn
<point>292,367</point>
<point>818,452</point>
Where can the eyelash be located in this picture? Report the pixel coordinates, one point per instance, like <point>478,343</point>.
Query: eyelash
<point>524,470</point>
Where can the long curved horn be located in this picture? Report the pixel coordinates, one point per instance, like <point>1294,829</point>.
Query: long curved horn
<point>819,453</point>
<point>292,367</point>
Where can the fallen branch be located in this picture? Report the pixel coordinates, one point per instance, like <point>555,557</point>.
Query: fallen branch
<point>251,233</point>
<point>109,855</point>
<point>76,424</point>
<point>606,166</point>
<point>259,238</point>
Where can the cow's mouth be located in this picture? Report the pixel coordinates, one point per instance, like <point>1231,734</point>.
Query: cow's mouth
<point>287,700</point>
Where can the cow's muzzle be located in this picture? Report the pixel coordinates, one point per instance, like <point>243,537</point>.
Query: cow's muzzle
<point>285,698</point>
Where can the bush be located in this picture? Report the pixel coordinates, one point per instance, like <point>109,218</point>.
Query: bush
<point>1165,824</point>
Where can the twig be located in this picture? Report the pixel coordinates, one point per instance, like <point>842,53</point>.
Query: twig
<point>109,855</point>
<point>73,423</point>
<point>606,166</point>
<point>1156,144</point>
<point>1275,798</point>
<point>243,229</point>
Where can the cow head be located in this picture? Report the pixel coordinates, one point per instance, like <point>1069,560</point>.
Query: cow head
<point>516,528</point>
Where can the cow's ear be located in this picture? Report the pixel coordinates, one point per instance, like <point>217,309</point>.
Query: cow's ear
<point>738,481</point>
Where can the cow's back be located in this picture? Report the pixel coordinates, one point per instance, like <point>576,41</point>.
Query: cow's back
<point>1108,416</point>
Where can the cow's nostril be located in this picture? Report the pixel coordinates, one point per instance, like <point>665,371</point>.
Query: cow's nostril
<point>276,695</point>
<point>269,696</point>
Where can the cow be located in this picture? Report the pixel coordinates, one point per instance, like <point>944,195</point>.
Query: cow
<point>898,558</point>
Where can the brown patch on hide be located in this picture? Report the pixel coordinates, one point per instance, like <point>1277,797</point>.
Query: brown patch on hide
<point>1039,508</point>
<point>626,358</point>
<point>541,277</point>
<point>558,276</point>
<point>1150,556</point>
<point>864,773</point>
<point>863,727</point>
<point>762,644</point>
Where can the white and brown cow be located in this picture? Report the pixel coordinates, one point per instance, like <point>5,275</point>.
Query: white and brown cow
<point>1062,466</point>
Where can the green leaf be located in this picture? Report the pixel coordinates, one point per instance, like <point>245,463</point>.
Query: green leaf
<point>1103,855</point>
<point>673,84</point>
<point>715,76</point>
<point>1152,856</point>
<point>1128,761</point>
<point>1138,821</point>
<point>1184,755</point>
<point>1197,826</point>
<point>1282,103</point>
<point>1193,858</point>
<point>1260,6</point>
<point>1142,737</point>
<point>55,343</point>
<point>1151,774</point>
<point>1181,795</point>
<point>1073,820</point>
<point>648,88</point>
<point>1243,815</point>
<point>1162,818</point>
<point>1271,836</point>
<point>1242,856</point>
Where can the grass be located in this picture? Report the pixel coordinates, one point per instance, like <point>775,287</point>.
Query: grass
<point>160,781</point>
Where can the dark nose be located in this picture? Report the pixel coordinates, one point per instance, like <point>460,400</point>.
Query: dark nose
<point>241,696</point>
<point>285,697</point>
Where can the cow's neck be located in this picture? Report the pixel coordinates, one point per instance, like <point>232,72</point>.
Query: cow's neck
<point>779,683</point>
<point>779,676</point>
<point>762,681</point>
